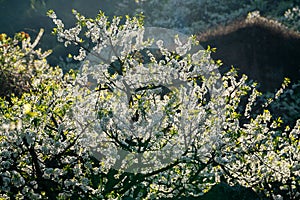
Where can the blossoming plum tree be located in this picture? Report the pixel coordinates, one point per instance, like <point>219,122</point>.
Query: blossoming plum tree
<point>138,122</point>
<point>138,129</point>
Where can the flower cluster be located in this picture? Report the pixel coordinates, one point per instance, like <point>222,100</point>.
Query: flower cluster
<point>40,156</point>
<point>292,16</point>
<point>15,71</point>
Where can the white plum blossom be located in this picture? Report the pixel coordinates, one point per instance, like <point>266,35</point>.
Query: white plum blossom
<point>148,116</point>
<point>158,103</point>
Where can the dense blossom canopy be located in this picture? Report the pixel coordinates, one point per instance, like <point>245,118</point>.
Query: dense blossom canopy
<point>139,123</point>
